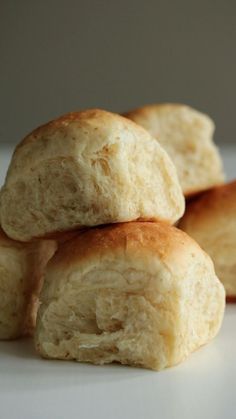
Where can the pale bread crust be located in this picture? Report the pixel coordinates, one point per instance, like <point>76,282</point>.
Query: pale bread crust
<point>142,294</point>
<point>211,220</point>
<point>84,169</point>
<point>186,134</point>
<point>22,268</point>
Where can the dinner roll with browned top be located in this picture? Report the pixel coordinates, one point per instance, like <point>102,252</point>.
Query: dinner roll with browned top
<point>211,220</point>
<point>142,294</point>
<point>85,169</point>
<point>21,275</point>
<point>186,135</point>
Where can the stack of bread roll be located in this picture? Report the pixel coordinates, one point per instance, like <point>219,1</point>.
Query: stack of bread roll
<point>97,194</point>
<point>210,216</point>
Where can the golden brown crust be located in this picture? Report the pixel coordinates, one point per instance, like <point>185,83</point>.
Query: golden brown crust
<point>231,299</point>
<point>156,237</point>
<point>195,192</point>
<point>218,201</point>
<point>81,117</point>
<point>211,220</point>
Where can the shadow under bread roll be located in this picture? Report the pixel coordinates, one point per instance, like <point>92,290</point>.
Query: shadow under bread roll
<point>142,294</point>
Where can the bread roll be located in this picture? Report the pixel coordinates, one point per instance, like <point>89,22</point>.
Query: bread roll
<point>21,275</point>
<point>85,169</point>
<point>186,135</point>
<point>211,220</point>
<point>142,294</point>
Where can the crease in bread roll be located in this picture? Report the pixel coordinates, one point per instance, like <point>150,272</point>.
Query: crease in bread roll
<point>84,169</point>
<point>211,220</point>
<point>186,134</point>
<point>143,294</point>
<point>22,268</point>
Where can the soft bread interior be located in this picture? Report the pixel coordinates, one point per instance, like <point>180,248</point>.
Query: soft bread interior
<point>22,269</point>
<point>129,305</point>
<point>93,169</point>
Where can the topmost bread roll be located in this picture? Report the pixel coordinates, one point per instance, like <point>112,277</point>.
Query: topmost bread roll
<point>85,169</point>
<point>186,135</point>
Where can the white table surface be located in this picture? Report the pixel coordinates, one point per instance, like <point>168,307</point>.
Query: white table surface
<point>203,387</point>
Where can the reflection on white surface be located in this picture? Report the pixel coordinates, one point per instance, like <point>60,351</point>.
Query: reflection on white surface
<point>201,387</point>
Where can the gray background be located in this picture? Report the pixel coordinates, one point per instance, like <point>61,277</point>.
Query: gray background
<point>58,56</point>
